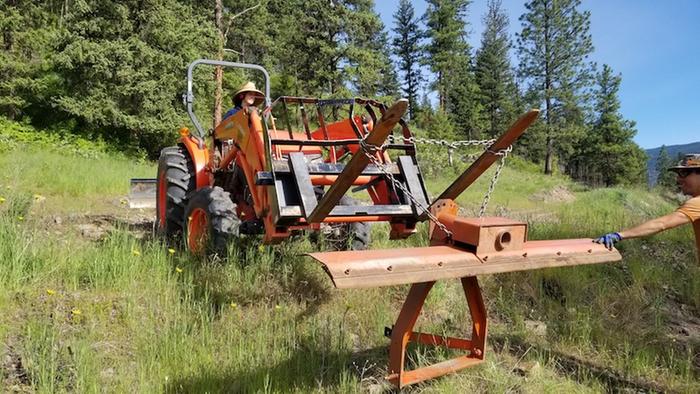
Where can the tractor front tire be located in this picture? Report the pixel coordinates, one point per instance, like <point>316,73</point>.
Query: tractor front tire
<point>176,179</point>
<point>211,222</point>
<point>348,236</point>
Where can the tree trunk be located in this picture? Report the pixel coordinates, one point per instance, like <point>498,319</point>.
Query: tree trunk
<point>441,93</point>
<point>548,155</point>
<point>218,72</point>
<point>547,95</point>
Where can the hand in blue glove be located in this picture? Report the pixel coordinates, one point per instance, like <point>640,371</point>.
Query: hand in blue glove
<point>609,239</point>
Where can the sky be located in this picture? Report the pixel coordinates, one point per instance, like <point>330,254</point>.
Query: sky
<point>654,45</point>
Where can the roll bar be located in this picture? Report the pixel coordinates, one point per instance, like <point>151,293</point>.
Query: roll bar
<point>188,98</point>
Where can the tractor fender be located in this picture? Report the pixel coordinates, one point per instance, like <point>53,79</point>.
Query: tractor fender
<point>200,157</point>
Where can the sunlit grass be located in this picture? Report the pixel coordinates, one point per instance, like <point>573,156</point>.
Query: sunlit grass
<point>128,314</point>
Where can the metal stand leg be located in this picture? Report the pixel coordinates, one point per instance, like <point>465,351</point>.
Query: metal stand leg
<point>402,334</point>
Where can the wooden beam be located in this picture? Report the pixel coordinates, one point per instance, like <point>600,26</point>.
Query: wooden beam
<point>359,161</point>
<point>480,165</point>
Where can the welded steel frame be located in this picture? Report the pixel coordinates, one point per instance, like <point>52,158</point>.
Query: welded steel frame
<point>402,334</point>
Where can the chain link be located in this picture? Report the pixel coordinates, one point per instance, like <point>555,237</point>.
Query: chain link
<point>449,144</point>
<point>370,151</point>
<point>503,153</point>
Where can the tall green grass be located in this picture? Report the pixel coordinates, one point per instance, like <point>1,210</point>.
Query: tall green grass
<point>129,314</point>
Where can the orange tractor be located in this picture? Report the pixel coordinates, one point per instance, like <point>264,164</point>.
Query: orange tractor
<point>254,177</point>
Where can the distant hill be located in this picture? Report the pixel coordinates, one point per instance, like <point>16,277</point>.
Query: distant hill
<point>673,151</point>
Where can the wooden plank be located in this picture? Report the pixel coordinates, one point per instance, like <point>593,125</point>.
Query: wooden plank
<point>358,162</point>
<point>485,161</point>
<point>374,268</point>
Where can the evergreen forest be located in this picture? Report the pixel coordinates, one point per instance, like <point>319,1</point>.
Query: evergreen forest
<point>115,70</point>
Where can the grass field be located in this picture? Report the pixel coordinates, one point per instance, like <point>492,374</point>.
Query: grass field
<point>126,313</point>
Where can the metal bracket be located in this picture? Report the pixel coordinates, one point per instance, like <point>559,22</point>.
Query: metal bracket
<point>402,333</point>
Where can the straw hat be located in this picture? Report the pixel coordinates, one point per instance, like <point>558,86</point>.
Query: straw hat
<point>248,87</point>
<point>691,161</point>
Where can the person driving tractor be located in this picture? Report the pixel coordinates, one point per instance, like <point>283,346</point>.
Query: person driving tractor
<point>247,96</point>
<point>688,178</point>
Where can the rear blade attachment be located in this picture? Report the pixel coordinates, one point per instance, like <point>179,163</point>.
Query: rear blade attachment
<point>375,268</point>
<point>142,193</point>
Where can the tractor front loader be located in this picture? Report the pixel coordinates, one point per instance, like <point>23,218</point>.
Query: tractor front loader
<point>289,167</point>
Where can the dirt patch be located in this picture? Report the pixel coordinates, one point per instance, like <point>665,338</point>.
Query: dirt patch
<point>558,193</point>
<point>577,368</point>
<point>13,376</point>
<point>684,328</point>
<point>97,227</point>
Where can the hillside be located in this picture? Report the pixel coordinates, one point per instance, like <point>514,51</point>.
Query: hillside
<point>673,152</point>
<point>92,301</point>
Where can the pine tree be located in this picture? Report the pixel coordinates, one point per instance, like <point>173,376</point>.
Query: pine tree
<point>553,47</point>
<point>448,55</point>
<point>614,156</point>
<point>122,66</point>
<point>497,91</point>
<point>27,80</point>
<point>370,68</point>
<point>335,48</point>
<point>447,46</point>
<point>407,47</point>
<point>664,177</point>
<point>463,106</point>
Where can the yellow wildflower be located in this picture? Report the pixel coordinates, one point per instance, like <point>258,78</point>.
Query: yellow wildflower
<point>261,248</point>
<point>278,307</point>
<point>20,218</point>
<point>136,252</point>
<point>2,200</point>
<point>234,305</point>
<point>178,270</point>
<point>76,311</point>
<point>50,292</point>
<point>171,251</point>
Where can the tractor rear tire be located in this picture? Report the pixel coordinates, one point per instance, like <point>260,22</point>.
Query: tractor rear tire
<point>349,236</point>
<point>211,222</point>
<point>176,179</point>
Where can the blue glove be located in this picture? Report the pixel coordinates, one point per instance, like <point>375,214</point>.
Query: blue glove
<point>609,239</point>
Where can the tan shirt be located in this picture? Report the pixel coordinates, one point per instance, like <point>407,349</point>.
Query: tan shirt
<point>691,209</point>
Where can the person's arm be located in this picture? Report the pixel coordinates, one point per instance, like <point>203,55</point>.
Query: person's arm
<point>650,227</point>
<point>657,225</point>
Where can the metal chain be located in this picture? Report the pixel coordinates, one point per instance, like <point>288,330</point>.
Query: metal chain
<point>449,144</point>
<point>503,153</point>
<point>369,151</point>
